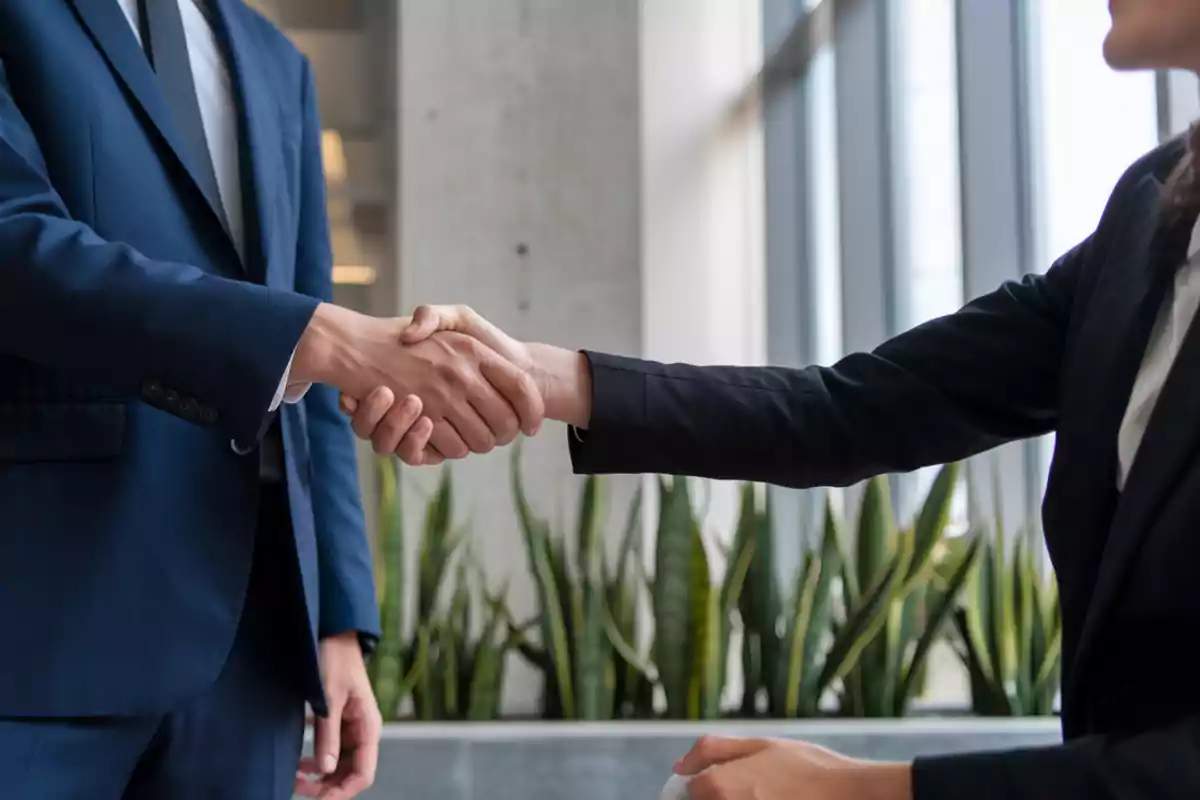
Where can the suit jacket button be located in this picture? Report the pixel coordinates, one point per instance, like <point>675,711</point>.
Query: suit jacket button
<point>171,402</point>
<point>152,390</point>
<point>208,415</point>
<point>188,409</point>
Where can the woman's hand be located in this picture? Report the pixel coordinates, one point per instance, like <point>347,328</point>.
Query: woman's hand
<point>779,769</point>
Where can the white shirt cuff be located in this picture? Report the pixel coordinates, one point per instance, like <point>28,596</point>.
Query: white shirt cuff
<point>288,393</point>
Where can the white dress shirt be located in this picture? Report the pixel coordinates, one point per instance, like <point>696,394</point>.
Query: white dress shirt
<point>1178,310</point>
<point>214,92</point>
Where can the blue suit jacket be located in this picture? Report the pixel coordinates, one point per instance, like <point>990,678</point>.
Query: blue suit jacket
<point>134,348</point>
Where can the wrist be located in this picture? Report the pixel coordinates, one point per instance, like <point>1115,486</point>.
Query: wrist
<point>326,352</point>
<point>565,381</point>
<point>886,781</point>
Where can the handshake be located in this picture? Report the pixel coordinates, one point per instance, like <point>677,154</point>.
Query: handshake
<point>441,384</point>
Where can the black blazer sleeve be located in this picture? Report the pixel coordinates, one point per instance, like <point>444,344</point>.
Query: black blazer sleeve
<point>1159,765</point>
<point>945,390</point>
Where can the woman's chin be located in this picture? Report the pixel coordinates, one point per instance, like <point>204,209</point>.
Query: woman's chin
<point>1123,52</point>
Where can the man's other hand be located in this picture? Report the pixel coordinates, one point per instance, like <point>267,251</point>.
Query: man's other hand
<point>346,743</point>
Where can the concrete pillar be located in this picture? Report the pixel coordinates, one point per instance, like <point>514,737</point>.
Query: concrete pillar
<point>519,195</point>
<point>583,172</point>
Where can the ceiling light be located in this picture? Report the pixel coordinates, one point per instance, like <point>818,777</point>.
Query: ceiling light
<point>356,275</point>
<point>333,152</point>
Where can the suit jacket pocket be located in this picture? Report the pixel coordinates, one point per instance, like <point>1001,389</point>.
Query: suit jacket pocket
<point>89,431</point>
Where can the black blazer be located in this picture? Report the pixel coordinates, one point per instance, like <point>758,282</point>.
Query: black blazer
<point>1055,352</point>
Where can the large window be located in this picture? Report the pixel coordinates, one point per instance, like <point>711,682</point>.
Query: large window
<point>994,133</point>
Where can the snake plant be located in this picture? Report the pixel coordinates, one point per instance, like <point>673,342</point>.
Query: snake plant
<point>1009,633</point>
<point>436,664</point>
<point>586,612</point>
<point>919,601</point>
<point>693,614</point>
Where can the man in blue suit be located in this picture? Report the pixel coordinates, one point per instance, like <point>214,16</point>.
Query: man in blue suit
<point>183,562</point>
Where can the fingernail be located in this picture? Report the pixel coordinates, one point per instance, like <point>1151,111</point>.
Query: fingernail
<point>328,764</point>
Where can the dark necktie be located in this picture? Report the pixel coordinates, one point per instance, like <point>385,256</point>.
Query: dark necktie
<point>165,42</point>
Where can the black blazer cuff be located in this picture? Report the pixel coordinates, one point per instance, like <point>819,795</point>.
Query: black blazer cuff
<point>618,420</point>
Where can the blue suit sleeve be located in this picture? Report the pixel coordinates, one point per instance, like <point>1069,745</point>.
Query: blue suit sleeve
<point>343,553</point>
<point>73,301</point>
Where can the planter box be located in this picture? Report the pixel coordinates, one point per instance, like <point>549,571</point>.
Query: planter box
<point>631,761</point>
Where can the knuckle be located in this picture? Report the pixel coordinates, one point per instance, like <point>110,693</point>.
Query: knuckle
<point>507,431</point>
<point>705,784</point>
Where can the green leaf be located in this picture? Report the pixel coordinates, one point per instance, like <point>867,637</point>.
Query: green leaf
<point>554,632</point>
<point>931,521</point>
<point>865,621</point>
<point>672,593</point>
<point>943,609</point>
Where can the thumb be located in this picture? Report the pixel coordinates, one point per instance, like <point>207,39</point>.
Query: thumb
<point>327,739</point>
<point>425,322</point>
<point>347,404</point>
<point>713,750</point>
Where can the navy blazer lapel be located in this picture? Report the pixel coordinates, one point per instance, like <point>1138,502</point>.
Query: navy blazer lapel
<point>1172,434</point>
<point>110,30</point>
<point>260,133</point>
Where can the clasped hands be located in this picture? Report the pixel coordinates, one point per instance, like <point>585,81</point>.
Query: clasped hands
<point>441,384</point>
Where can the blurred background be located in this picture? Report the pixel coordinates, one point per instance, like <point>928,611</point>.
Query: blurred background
<point>716,181</point>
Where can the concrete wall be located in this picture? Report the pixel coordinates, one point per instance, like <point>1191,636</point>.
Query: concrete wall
<point>584,172</point>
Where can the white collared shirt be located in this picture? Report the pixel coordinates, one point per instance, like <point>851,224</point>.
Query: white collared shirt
<point>214,91</point>
<point>1170,328</point>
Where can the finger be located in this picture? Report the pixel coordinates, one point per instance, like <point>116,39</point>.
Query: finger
<point>433,457</point>
<point>304,786</point>
<point>347,404</point>
<point>426,321</point>
<point>393,427</point>
<point>309,781</point>
<point>496,414</point>
<point>519,390</point>
<point>371,411</point>
<point>712,750</point>
<point>468,422</point>
<point>327,739</point>
<point>447,440</point>
<point>412,449</point>
<point>363,762</point>
<point>709,786</point>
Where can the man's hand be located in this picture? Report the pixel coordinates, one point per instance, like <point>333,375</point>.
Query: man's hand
<point>778,769</point>
<point>474,398</point>
<point>346,746</point>
<point>561,376</point>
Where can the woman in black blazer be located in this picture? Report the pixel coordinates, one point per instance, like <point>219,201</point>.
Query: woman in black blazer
<point>1098,350</point>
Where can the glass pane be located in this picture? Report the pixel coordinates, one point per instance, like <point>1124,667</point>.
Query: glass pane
<point>823,167</point>
<point>929,192</point>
